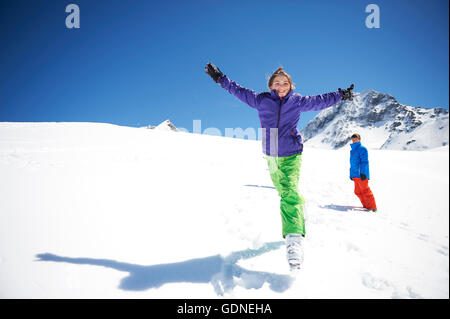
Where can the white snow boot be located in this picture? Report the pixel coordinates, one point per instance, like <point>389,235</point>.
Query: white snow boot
<point>294,251</point>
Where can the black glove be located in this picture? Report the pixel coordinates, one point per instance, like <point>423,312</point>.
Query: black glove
<point>351,179</point>
<point>213,71</point>
<point>348,93</point>
<point>363,177</point>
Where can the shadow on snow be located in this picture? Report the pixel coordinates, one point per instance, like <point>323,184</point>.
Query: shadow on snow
<point>342,208</point>
<point>259,186</point>
<point>222,272</point>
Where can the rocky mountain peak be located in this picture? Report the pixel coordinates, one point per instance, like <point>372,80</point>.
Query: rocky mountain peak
<point>387,123</point>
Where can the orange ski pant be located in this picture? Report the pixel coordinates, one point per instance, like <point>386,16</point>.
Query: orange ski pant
<point>364,193</point>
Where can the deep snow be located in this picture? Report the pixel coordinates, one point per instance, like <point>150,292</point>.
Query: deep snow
<point>91,210</point>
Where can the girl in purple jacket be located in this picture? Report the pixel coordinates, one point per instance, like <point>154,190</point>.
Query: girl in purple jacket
<point>279,112</point>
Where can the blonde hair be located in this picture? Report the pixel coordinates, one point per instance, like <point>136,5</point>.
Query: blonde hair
<point>280,71</point>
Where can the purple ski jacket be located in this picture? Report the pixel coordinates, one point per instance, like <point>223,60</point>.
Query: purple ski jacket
<point>279,117</point>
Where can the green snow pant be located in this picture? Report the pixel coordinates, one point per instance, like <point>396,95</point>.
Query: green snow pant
<point>285,174</point>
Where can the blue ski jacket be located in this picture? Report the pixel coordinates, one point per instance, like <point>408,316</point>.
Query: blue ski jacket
<point>359,161</point>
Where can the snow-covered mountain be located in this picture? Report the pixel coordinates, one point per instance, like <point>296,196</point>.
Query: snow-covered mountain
<point>382,122</point>
<point>94,210</point>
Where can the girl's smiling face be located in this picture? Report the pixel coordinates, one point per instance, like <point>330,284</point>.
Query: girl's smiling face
<point>282,85</point>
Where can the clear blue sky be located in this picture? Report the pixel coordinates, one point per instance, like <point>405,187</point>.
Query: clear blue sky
<point>137,63</point>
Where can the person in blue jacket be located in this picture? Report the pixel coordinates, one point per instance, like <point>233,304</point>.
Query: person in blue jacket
<point>360,174</point>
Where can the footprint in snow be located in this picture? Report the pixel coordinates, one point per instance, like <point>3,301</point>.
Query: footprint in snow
<point>423,237</point>
<point>353,248</point>
<point>443,250</point>
<point>375,283</point>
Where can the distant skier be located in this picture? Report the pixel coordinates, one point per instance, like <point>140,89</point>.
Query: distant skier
<point>279,112</point>
<point>359,173</point>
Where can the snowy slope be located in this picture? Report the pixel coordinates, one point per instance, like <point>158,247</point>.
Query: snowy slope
<point>382,122</point>
<point>92,210</point>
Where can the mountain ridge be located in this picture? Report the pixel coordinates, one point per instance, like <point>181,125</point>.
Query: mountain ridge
<point>385,122</point>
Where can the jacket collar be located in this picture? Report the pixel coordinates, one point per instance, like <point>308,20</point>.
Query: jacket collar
<point>275,95</point>
<point>355,145</point>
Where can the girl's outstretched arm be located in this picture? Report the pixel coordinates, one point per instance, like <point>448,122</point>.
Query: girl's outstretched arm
<point>247,96</point>
<point>319,102</point>
<point>322,101</point>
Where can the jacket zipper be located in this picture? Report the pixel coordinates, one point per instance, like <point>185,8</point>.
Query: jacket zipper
<point>279,113</point>
<point>278,124</point>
